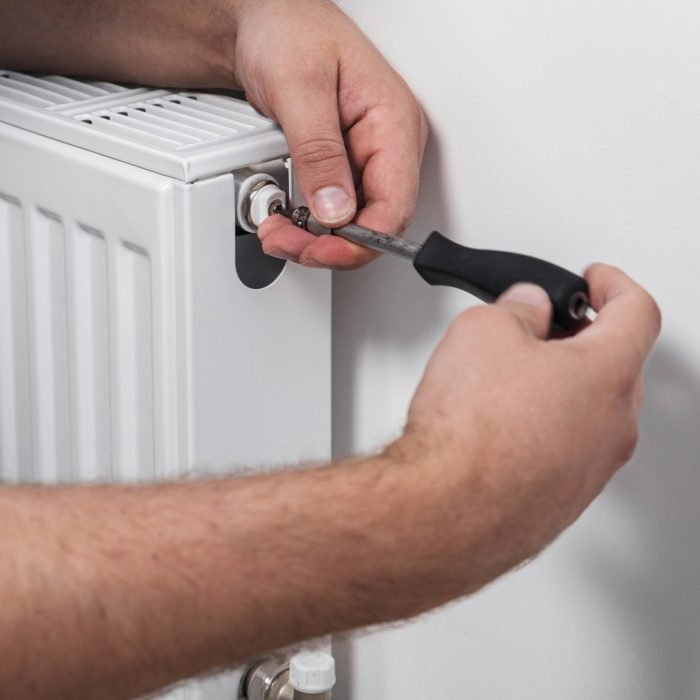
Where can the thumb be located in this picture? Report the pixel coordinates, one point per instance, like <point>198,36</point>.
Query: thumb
<point>530,304</point>
<point>310,121</point>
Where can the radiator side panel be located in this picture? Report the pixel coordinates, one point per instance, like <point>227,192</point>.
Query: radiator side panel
<point>260,359</point>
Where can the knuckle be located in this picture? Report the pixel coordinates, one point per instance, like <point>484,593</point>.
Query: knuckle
<point>624,380</point>
<point>420,127</point>
<point>317,71</point>
<point>357,257</point>
<point>611,268</point>
<point>476,314</point>
<point>490,317</point>
<point>655,315</point>
<point>463,322</point>
<point>628,444</point>
<point>616,375</point>
<point>403,220</point>
<point>423,126</point>
<point>320,152</point>
<point>286,72</point>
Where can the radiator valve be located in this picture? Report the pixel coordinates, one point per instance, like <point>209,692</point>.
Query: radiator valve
<point>309,675</point>
<point>312,675</point>
<point>257,193</point>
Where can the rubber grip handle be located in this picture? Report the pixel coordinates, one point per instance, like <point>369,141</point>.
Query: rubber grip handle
<point>488,273</point>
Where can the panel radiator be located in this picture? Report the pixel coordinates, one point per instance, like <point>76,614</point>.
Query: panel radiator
<point>130,349</point>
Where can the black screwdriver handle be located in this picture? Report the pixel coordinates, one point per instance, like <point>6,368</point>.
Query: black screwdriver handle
<point>488,273</point>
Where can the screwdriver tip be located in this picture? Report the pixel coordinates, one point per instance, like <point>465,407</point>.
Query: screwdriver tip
<point>278,208</point>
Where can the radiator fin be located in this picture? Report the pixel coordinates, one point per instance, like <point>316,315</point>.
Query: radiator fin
<point>77,366</point>
<point>15,406</point>
<point>135,364</point>
<point>93,392</point>
<point>49,338</point>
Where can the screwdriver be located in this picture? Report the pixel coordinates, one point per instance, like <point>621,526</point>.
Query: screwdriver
<point>483,273</point>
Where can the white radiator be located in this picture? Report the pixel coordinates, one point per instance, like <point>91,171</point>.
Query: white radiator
<point>130,348</point>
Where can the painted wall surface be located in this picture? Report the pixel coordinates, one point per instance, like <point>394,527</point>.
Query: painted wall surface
<point>569,130</point>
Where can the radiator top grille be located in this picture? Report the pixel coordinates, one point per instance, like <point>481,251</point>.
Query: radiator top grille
<point>51,90</point>
<point>178,121</point>
<point>188,135</point>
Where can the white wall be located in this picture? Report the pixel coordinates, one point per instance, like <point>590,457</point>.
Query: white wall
<point>569,130</point>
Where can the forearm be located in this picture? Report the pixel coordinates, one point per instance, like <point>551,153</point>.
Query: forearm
<point>123,590</point>
<point>176,42</point>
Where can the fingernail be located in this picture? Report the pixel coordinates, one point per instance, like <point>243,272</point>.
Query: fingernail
<point>310,262</point>
<point>526,293</point>
<point>277,253</point>
<point>331,204</point>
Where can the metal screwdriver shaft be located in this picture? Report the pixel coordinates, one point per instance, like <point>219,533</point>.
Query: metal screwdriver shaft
<point>301,217</point>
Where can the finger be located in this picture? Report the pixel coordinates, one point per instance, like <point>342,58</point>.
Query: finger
<point>281,239</point>
<point>388,149</point>
<point>336,253</point>
<point>389,159</point>
<point>628,321</point>
<point>308,114</point>
<point>532,307</point>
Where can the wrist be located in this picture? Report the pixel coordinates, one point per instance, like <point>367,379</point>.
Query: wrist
<point>420,544</point>
<point>215,33</point>
<point>447,486</point>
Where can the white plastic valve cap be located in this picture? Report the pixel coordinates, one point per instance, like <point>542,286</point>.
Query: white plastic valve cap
<point>312,672</point>
<point>262,200</point>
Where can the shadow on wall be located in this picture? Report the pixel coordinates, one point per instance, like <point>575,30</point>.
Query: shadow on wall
<point>654,585</point>
<point>385,306</point>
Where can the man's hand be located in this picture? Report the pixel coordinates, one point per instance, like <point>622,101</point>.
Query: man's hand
<point>523,431</point>
<point>350,121</point>
<point>355,131</point>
